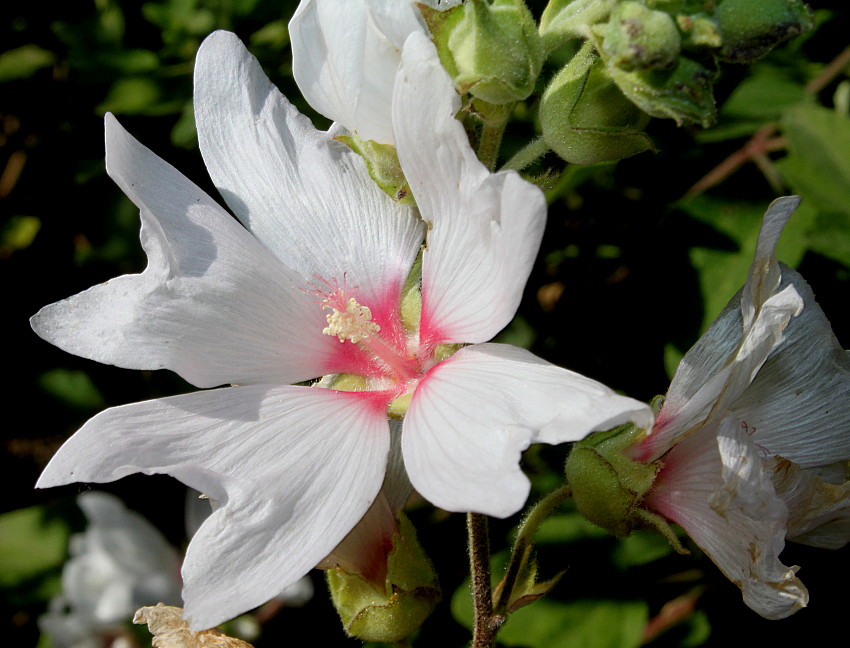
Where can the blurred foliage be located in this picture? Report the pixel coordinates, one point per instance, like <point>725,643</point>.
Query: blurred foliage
<point>633,266</point>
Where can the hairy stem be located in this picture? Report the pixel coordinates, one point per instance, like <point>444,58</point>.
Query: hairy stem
<point>486,623</point>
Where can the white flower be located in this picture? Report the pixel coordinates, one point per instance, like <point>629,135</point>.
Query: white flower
<point>322,260</point>
<point>754,434</point>
<point>345,55</point>
<point>120,563</point>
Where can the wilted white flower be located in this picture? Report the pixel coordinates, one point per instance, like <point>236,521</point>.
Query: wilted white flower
<point>753,438</point>
<point>315,284</point>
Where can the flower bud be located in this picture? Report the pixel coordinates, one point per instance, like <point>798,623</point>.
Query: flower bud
<point>608,486</point>
<point>638,38</point>
<point>393,612</point>
<point>586,119</point>
<point>491,50</point>
<point>751,28</point>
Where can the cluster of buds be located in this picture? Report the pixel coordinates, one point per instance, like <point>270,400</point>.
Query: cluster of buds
<point>660,55</point>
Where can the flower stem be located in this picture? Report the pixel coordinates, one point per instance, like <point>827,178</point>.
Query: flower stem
<point>527,155</point>
<point>494,120</point>
<point>486,623</point>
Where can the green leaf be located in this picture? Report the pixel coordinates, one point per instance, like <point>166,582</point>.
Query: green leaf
<point>818,162</point>
<point>571,527</point>
<point>640,548</point>
<point>30,545</point>
<point>722,272</point>
<point>73,388</point>
<point>586,623</point>
<point>130,96</point>
<point>19,232</point>
<point>23,62</point>
<point>764,95</point>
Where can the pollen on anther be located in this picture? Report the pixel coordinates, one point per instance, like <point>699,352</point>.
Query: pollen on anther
<point>354,323</point>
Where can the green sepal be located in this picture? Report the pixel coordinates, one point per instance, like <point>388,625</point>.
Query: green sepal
<point>586,118</point>
<point>524,586</point>
<point>383,166</point>
<point>682,93</point>
<point>393,613</point>
<point>490,49</point>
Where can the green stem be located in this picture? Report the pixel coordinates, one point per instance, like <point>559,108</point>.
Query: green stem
<point>527,155</point>
<point>525,535</point>
<point>486,623</point>
<point>495,119</point>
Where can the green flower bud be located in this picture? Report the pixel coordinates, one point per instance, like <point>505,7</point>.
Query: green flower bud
<point>751,28</point>
<point>383,166</point>
<point>491,50</point>
<point>638,38</point>
<point>699,31</point>
<point>394,612</point>
<point>608,486</point>
<point>586,119</point>
<point>683,93</point>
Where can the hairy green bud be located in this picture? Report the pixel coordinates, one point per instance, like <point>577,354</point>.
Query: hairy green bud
<point>608,486</point>
<point>751,28</point>
<point>491,50</point>
<point>383,166</point>
<point>586,119</point>
<point>638,38</point>
<point>393,612</point>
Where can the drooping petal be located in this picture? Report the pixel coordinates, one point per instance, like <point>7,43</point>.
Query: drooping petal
<point>691,491</point>
<point>290,471</point>
<point>799,404</point>
<point>345,56</point>
<point>308,198</point>
<point>484,229</point>
<point>473,415</point>
<point>726,359</point>
<point>819,511</point>
<point>213,304</point>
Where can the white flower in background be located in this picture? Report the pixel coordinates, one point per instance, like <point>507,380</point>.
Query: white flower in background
<point>754,433</point>
<point>120,563</point>
<point>311,286</point>
<point>345,56</point>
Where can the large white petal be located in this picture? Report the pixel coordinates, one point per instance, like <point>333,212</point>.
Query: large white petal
<point>726,359</point>
<point>474,414</point>
<point>726,505</point>
<point>290,471</point>
<point>484,229</point>
<point>345,55</point>
<point>213,304</point>
<point>365,550</point>
<point>304,195</point>
<point>799,403</point>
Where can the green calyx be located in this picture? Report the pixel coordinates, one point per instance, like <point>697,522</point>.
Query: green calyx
<point>490,49</point>
<point>586,118</point>
<point>608,487</point>
<point>683,93</point>
<point>393,613</point>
